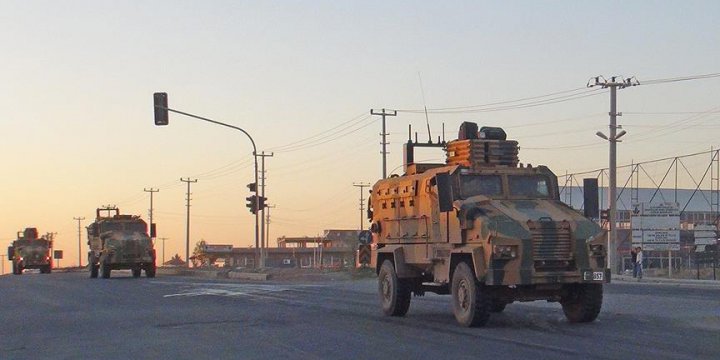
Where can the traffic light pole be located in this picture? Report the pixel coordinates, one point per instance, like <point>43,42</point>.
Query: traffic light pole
<point>257,217</point>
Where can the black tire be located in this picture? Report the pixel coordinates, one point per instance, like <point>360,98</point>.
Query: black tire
<point>497,306</point>
<point>14,268</point>
<point>150,271</point>
<point>471,304</point>
<point>94,270</point>
<point>105,271</point>
<point>136,272</point>
<point>583,302</point>
<point>19,270</point>
<point>394,293</point>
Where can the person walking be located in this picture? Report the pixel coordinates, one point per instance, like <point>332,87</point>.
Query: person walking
<point>639,263</point>
<point>633,260</point>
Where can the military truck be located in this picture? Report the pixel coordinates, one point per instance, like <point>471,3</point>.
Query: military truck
<point>485,229</point>
<point>30,252</point>
<point>119,242</point>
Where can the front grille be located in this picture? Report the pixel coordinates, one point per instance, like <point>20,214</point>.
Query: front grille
<point>552,245</point>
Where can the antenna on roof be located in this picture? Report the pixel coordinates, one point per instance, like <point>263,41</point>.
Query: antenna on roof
<point>427,119</point>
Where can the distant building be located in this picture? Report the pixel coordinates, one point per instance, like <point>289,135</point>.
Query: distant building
<point>335,249</point>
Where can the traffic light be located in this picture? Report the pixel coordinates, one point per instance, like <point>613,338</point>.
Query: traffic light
<point>261,202</point>
<point>252,186</point>
<point>252,203</point>
<point>161,109</point>
<point>604,215</point>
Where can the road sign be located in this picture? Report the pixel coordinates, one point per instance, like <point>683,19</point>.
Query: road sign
<point>656,227</point>
<point>58,254</point>
<point>364,255</point>
<point>365,237</point>
<point>705,234</point>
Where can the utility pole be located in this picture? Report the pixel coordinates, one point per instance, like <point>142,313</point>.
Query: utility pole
<point>384,143</point>
<point>2,264</point>
<point>151,191</point>
<point>79,219</point>
<point>614,83</point>
<point>163,250</point>
<point>263,244</point>
<point>187,227</point>
<point>362,201</point>
<point>267,221</point>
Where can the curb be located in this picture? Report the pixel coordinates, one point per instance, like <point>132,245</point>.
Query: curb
<point>656,280</point>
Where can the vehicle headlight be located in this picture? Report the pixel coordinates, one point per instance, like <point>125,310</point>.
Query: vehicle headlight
<point>505,251</point>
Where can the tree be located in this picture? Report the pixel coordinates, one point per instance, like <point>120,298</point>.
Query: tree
<point>199,256</point>
<point>175,261</point>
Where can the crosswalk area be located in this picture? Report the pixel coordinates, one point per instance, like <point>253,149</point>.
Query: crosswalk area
<point>193,289</point>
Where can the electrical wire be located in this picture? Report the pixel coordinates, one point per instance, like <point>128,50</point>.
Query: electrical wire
<point>521,103</point>
<point>355,119</point>
<point>682,78</point>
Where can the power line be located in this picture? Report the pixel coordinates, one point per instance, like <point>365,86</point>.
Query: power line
<point>328,138</point>
<point>505,105</point>
<point>682,78</point>
<point>301,142</point>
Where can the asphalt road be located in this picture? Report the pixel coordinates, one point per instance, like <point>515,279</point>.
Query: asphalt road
<point>69,316</point>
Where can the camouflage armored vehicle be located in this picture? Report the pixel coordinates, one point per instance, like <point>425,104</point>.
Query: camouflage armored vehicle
<point>119,242</point>
<point>486,230</point>
<point>30,252</point>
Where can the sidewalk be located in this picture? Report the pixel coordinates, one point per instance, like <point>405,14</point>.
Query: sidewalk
<point>659,280</point>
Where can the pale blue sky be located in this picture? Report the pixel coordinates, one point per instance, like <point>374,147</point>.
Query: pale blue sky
<point>78,77</point>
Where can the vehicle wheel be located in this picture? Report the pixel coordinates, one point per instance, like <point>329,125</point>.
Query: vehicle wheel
<point>471,305</point>
<point>150,272</point>
<point>94,269</point>
<point>583,302</point>
<point>49,270</point>
<point>136,272</point>
<point>105,271</point>
<point>19,270</point>
<point>394,292</point>
<point>14,268</point>
<point>497,306</point>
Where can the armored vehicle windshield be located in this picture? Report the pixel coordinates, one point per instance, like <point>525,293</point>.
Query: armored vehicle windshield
<point>529,186</point>
<point>525,186</point>
<point>488,185</point>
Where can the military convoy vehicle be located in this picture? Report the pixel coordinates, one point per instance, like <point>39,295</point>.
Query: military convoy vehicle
<point>30,252</point>
<point>119,242</point>
<point>485,229</point>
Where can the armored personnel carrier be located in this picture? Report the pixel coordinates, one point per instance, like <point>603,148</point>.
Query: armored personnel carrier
<point>30,252</point>
<point>484,229</point>
<point>119,242</point>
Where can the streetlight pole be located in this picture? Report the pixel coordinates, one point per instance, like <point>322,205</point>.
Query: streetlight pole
<point>161,118</point>
<point>614,83</point>
<point>79,219</point>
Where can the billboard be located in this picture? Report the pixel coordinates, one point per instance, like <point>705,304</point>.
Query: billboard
<point>656,227</point>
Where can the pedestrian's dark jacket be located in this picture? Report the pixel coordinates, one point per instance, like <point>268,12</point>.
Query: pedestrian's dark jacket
<point>633,255</point>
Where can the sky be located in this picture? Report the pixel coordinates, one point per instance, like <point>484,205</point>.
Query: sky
<point>76,113</point>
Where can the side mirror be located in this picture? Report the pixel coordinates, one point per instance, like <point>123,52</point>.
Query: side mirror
<point>11,252</point>
<point>445,197</point>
